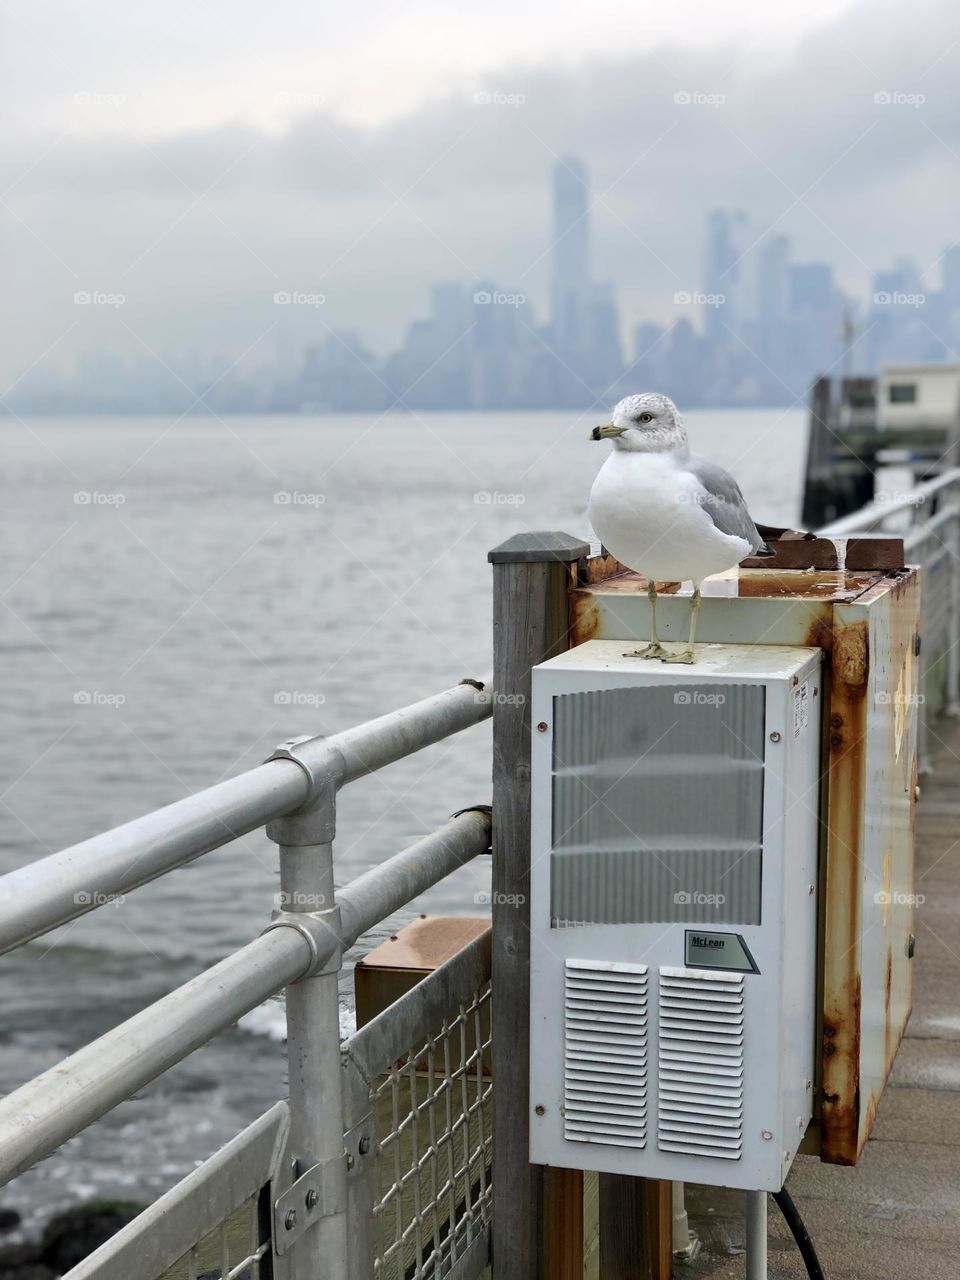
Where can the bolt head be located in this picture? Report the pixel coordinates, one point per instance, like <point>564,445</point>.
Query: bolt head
<point>775,736</point>
<point>766,1135</point>
<point>290,1219</point>
<point>542,726</point>
<point>540,1109</point>
<point>364,1145</point>
<point>312,1198</point>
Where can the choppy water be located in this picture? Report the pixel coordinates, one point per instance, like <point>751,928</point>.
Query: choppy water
<point>168,629</point>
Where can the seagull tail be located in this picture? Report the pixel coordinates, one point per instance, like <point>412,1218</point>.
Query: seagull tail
<point>764,550</point>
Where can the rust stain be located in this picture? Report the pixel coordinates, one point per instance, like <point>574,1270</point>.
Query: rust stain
<point>851,657</point>
<point>585,618</point>
<point>846,781</point>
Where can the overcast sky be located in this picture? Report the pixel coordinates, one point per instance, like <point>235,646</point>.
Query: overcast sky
<point>198,157</point>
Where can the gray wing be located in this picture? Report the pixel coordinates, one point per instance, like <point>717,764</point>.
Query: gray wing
<point>723,501</point>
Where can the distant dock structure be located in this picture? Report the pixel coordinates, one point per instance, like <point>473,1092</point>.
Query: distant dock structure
<point>871,438</point>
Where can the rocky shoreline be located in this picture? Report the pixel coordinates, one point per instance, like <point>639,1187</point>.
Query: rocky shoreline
<point>67,1238</point>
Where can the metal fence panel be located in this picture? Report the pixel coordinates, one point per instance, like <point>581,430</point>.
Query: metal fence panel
<point>210,1224</point>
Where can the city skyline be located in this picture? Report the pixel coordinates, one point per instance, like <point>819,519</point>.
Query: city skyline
<point>758,329</point>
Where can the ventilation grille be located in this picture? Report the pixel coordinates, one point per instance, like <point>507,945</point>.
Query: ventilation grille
<point>700,1104</point>
<point>605,1053</point>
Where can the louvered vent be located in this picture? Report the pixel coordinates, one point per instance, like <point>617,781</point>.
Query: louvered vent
<point>605,1053</point>
<point>700,1104</point>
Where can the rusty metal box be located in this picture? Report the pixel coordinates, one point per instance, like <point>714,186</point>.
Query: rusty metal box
<point>866,622</point>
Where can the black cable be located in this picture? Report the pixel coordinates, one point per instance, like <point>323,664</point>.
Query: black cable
<point>793,1220</point>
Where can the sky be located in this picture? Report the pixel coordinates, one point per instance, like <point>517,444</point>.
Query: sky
<point>196,158</point>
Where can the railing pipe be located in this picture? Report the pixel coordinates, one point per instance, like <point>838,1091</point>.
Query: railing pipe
<point>51,891</point>
<point>44,1113</point>
<point>874,513</point>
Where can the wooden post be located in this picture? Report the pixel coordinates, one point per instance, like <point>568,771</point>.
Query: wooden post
<point>531,579</point>
<point>636,1228</point>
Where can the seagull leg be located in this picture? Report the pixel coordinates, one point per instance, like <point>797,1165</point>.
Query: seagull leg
<point>688,655</point>
<point>654,649</point>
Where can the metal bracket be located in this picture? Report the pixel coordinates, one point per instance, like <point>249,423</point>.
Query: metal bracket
<point>319,1193</point>
<point>317,927</point>
<point>314,821</point>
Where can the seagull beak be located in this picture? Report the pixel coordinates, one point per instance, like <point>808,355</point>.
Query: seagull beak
<point>606,431</point>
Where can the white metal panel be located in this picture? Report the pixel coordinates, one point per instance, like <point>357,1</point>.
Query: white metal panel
<point>726,1089</point>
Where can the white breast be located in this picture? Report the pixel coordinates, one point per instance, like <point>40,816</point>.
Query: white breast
<point>644,508</point>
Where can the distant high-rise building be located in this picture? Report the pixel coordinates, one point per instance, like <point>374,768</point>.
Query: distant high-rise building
<point>773,281</point>
<point>721,272</point>
<point>811,287</point>
<point>571,254</point>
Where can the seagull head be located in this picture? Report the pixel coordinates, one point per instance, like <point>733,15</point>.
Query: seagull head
<point>645,423</point>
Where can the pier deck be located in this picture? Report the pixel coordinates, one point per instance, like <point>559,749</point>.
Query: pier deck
<point>897,1214</point>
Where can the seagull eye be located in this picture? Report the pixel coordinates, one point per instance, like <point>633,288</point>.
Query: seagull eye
<point>645,417</point>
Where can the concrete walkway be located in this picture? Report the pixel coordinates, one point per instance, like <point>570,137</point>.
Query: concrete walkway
<point>896,1216</point>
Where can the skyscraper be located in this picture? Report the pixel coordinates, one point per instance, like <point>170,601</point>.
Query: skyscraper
<point>571,254</point>
<point>721,272</point>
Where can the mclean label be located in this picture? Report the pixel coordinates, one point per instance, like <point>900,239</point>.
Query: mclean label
<point>707,950</point>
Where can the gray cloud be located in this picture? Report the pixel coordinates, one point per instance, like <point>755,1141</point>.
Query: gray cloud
<point>318,208</point>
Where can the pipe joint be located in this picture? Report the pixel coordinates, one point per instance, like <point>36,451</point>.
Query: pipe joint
<point>322,931</point>
<point>314,821</point>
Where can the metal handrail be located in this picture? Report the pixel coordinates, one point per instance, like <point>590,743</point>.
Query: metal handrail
<point>874,513</point>
<point>44,1113</point>
<point>51,891</point>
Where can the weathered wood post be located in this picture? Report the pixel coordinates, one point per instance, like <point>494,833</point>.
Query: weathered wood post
<point>532,574</point>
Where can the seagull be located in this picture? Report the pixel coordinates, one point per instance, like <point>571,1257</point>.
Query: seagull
<point>664,512</point>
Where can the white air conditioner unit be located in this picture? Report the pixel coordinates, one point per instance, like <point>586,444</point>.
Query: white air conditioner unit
<point>674,912</point>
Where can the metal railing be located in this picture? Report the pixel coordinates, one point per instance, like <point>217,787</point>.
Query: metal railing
<point>296,1186</point>
<point>927,517</point>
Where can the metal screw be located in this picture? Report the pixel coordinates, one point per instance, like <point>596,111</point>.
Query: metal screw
<point>808,1084</point>
<point>811,888</point>
<point>540,1109</point>
<point>290,1220</point>
<point>312,1198</point>
<point>775,737</point>
<point>766,1135</point>
<point>543,726</point>
<point>364,1145</point>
